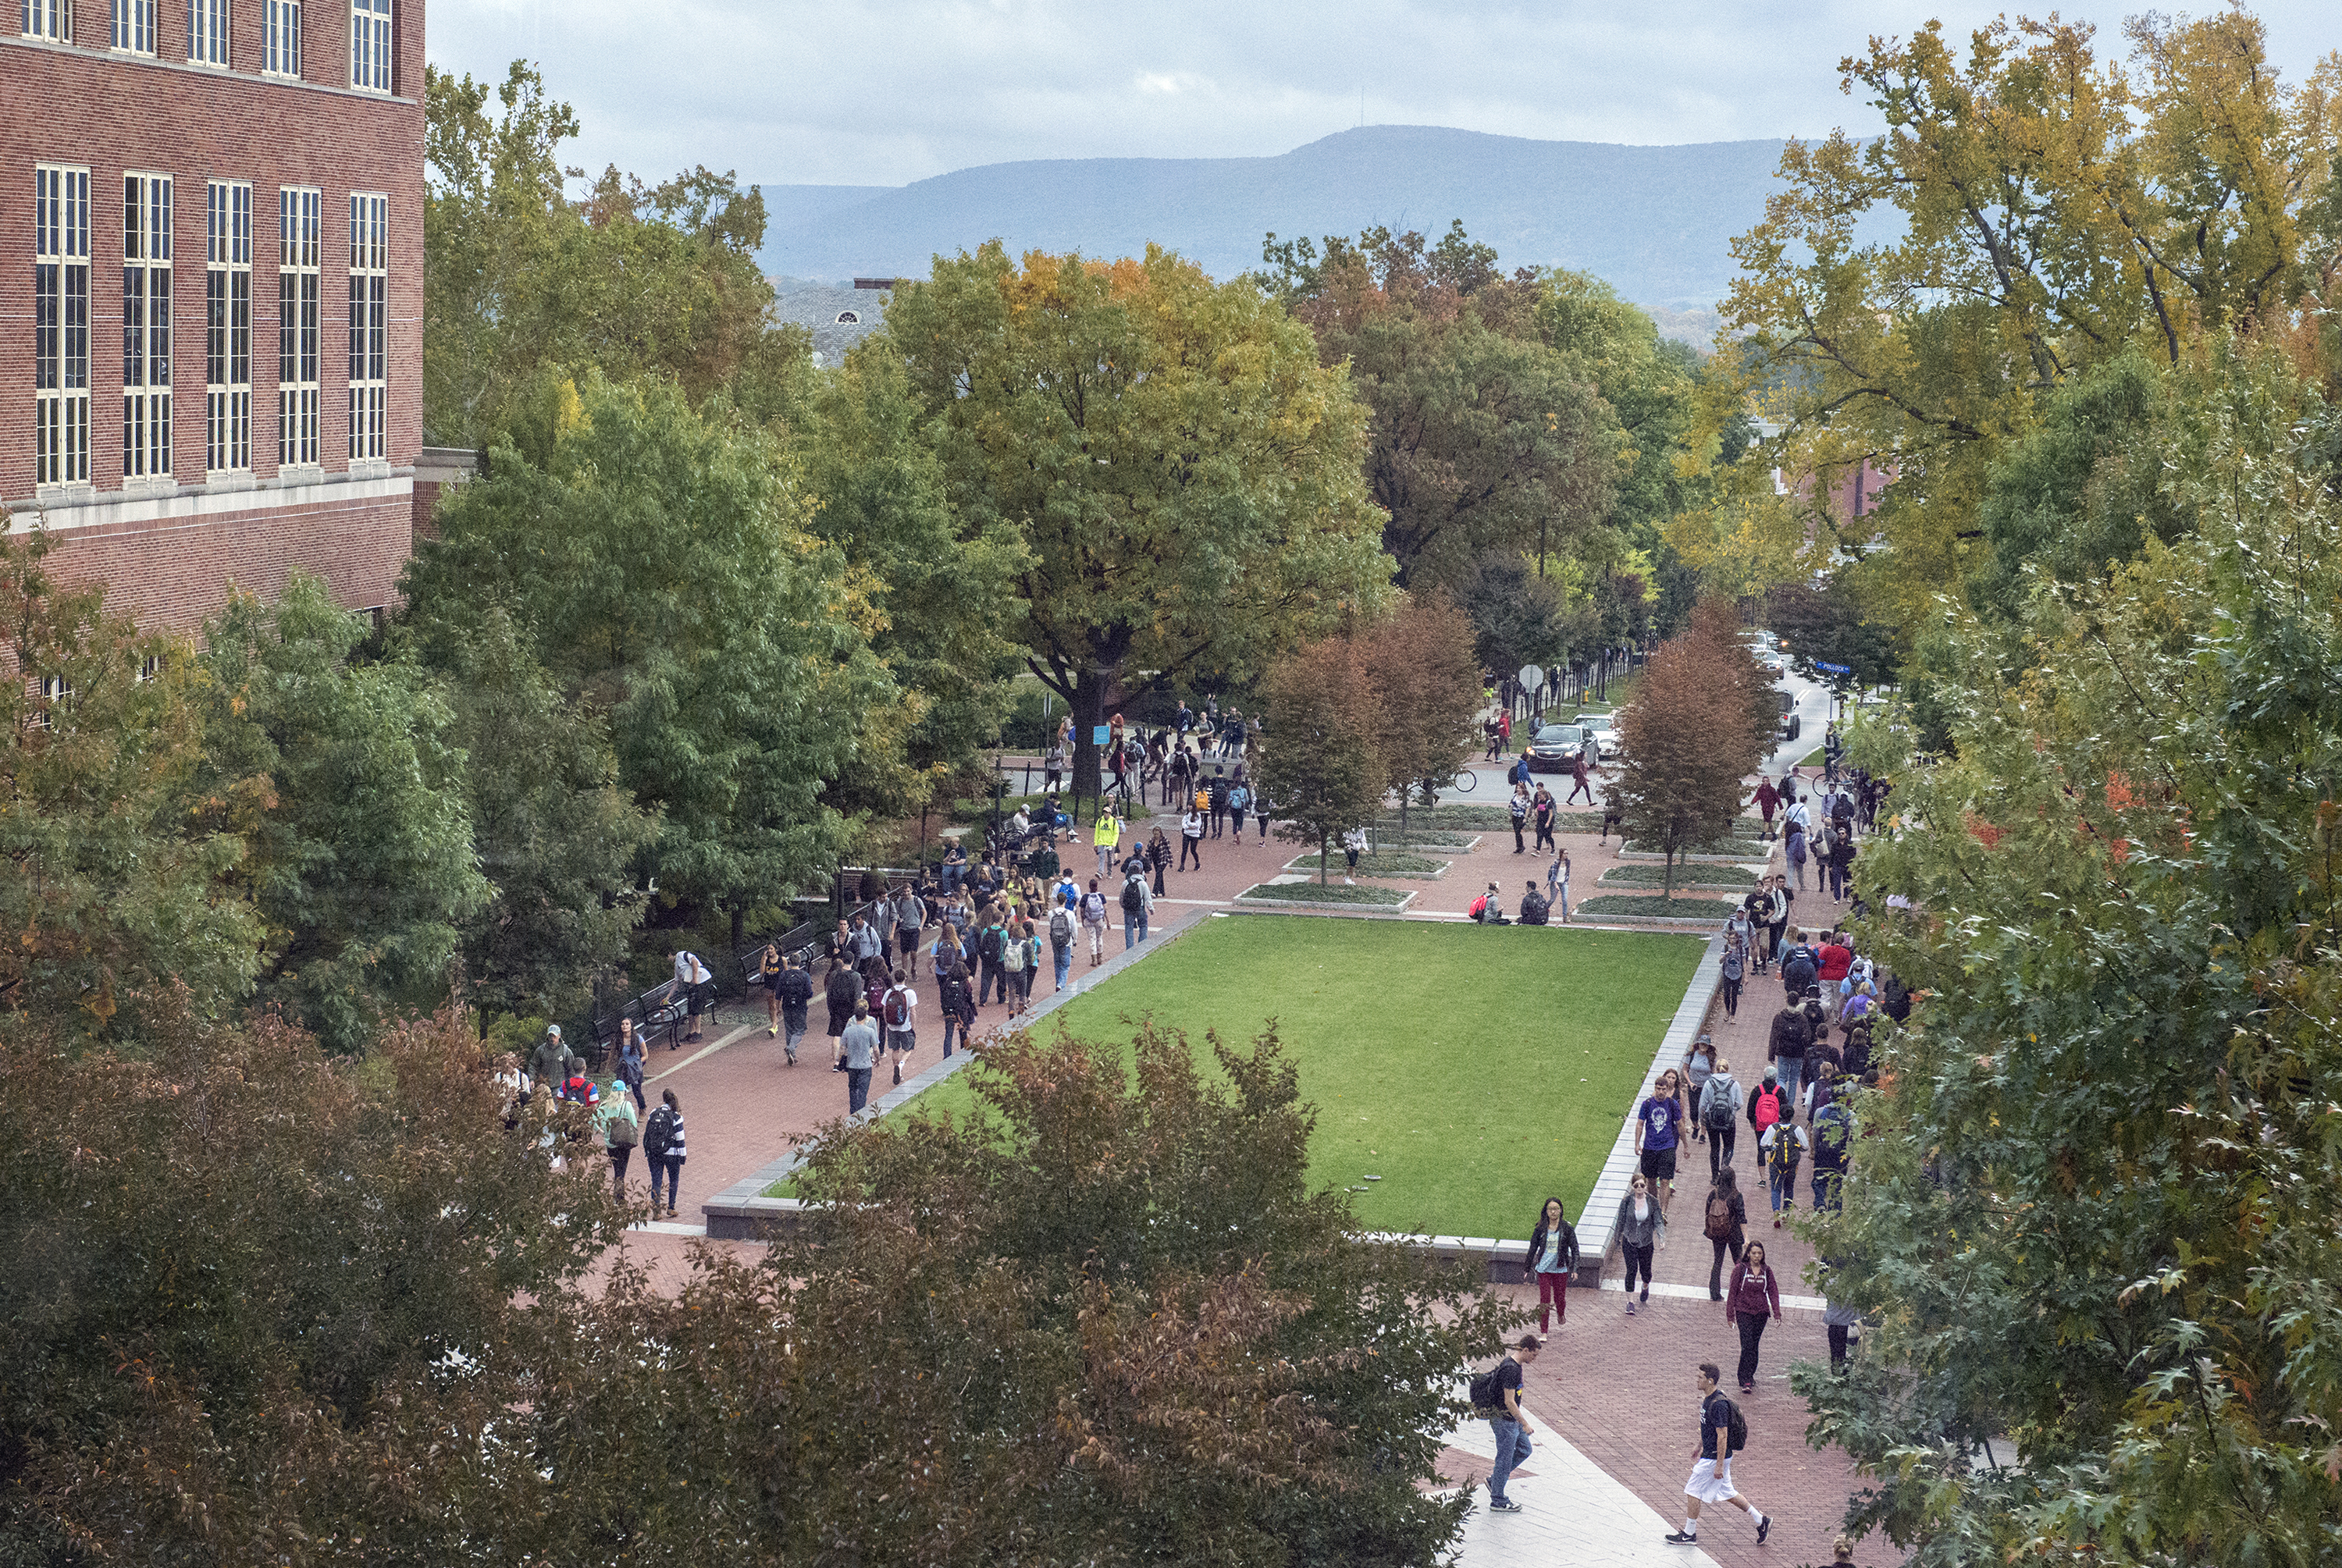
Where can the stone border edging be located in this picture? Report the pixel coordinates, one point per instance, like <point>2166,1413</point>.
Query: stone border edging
<point>1594,1240</point>
<point>1247,899</point>
<point>739,1212</point>
<point>1653,857</point>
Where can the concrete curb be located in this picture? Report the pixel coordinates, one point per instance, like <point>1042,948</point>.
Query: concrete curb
<point>740,1211</point>
<point>1594,1224</point>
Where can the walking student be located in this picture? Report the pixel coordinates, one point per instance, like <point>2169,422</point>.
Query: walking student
<point>1095,923</point>
<point>620,1133</point>
<point>1725,1225</point>
<point>1510,1422</point>
<point>861,1042</point>
<point>1719,1116</point>
<point>1191,838</point>
<point>1519,806</point>
<point>1061,938</point>
<point>1552,1258</point>
<point>1542,812</point>
<point>1105,838</point>
<point>1581,780</point>
<point>795,990</point>
<point>1641,1225</point>
<point>1735,966</point>
<point>1711,1475</point>
<point>901,1011</point>
<point>1658,1122</point>
<point>1782,1148</point>
<point>1136,904</point>
<point>663,1149</point>
<point>1751,1301</point>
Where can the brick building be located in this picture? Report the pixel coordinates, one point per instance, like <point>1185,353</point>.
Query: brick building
<point>211,333</point>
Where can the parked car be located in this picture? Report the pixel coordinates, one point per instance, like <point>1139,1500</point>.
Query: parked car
<point>1556,746</point>
<point>1790,723</point>
<point>1605,733</point>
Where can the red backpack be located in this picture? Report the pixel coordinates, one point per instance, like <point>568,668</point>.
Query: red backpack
<point>1768,1107</point>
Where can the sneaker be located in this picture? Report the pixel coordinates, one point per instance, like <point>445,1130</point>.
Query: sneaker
<point>1777,1221</point>
<point>1677,1538</point>
<point>1630,1309</point>
<point>1504,1505</point>
<point>1763,1526</point>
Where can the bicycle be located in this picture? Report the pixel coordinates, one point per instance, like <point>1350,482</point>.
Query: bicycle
<point>1461,783</point>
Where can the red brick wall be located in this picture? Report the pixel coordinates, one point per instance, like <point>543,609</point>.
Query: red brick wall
<point>175,574</point>
<point>115,114</point>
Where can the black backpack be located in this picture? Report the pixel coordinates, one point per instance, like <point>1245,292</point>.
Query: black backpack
<point>987,944</point>
<point>659,1132</point>
<point>1895,998</point>
<point>1133,899</point>
<point>1736,1427</point>
<point>1483,1393</point>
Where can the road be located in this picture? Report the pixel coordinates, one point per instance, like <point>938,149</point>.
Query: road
<point>1813,710</point>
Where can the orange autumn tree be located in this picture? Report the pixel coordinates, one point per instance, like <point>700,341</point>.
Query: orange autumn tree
<point>1699,725</point>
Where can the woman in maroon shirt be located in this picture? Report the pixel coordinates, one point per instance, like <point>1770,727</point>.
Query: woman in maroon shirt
<point>1752,1300</point>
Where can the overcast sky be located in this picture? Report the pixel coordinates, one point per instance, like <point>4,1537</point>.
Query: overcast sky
<point>859,92</point>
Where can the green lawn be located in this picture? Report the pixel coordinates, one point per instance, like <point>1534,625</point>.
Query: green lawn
<point>1327,893</point>
<point>1475,1071</point>
<point>1392,863</point>
<point>1656,907</point>
<point>1647,875</point>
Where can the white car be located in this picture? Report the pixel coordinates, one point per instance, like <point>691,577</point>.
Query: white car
<point>1605,733</point>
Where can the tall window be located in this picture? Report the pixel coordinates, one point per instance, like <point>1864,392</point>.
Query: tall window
<point>133,25</point>
<point>280,37</point>
<point>145,326</point>
<point>228,326</point>
<point>369,286</point>
<point>208,32</point>
<point>50,19</point>
<point>370,44</point>
<point>297,328</point>
<point>60,327</point>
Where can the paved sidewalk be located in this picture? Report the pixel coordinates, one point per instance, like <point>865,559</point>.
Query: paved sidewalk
<point>1573,1514</point>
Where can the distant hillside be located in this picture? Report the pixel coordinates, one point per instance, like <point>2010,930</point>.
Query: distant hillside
<point>1653,220</point>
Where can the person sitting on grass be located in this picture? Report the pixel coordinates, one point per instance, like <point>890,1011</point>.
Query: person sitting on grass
<point>1488,909</point>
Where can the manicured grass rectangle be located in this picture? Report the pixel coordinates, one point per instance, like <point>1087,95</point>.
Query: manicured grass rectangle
<point>1642,876</point>
<point>1392,863</point>
<point>1653,906</point>
<point>1327,893</point>
<point>1476,1071</point>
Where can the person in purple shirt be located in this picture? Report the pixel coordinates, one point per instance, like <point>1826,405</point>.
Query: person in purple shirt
<point>1658,1124</point>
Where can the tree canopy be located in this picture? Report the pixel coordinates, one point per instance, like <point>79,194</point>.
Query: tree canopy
<point>1183,474</point>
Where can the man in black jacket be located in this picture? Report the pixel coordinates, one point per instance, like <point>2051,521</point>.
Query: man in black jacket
<point>1534,907</point>
<point>794,988</point>
<point>1219,800</point>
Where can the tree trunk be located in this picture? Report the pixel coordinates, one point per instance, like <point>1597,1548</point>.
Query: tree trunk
<point>1087,706</point>
<point>1668,877</point>
<point>1322,841</point>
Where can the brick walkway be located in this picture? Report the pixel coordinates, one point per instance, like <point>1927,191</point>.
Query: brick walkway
<point>1620,1390</point>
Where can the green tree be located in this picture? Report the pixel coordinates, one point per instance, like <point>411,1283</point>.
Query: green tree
<point>362,865</point>
<point>2095,1207</point>
<point>1103,1320</point>
<point>1518,617</point>
<point>264,1302</point>
<point>944,592</point>
<point>657,565</point>
<point>556,836</point>
<point>120,870</point>
<point>1323,764</point>
<point>627,278</point>
<point>1696,729</point>
<point>1483,438</point>
<point>1182,474</point>
<point>2054,211</point>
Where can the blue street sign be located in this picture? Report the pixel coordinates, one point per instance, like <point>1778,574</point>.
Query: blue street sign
<point>1833,669</point>
<point>1100,733</point>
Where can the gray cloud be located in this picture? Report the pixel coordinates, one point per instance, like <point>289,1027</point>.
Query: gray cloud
<point>855,92</point>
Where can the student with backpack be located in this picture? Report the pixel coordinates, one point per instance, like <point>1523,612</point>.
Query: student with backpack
<point>795,991</point>
<point>1797,850</point>
<point>861,1045</point>
<point>1094,922</point>
<point>840,991</point>
<point>1782,1148</point>
<point>1724,1220</point>
<point>620,1133</point>
<point>1698,1067</point>
<point>1751,1301</point>
<point>1062,926</point>
<point>1768,1105</point>
<point>1137,904</point>
<point>663,1149</point>
<point>1723,1432</point>
<point>1015,967</point>
<point>1792,1033</point>
<point>1535,910</point>
<point>1497,1397</point>
<point>956,999</point>
<point>1217,795</point>
<point>1551,1259</point>
<point>900,1009</point>
<point>1719,1116</point>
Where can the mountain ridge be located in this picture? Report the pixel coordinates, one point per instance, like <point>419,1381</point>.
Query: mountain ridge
<point>1653,220</point>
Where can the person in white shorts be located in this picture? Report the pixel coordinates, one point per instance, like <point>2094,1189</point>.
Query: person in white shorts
<point>1711,1478</point>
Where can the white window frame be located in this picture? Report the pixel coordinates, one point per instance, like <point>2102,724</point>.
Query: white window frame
<point>297,326</point>
<point>369,324</point>
<point>208,32</point>
<point>51,20</point>
<point>133,25</point>
<point>60,325</point>
<point>280,37</point>
<point>147,326</point>
<point>228,326</point>
<point>370,46</point>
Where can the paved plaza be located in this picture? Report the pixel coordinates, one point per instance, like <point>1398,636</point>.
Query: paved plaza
<point>1613,1394</point>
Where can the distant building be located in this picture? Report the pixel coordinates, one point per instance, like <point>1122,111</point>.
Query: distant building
<point>838,318</point>
<point>229,193</point>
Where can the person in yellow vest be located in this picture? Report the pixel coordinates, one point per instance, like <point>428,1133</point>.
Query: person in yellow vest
<point>1107,837</point>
